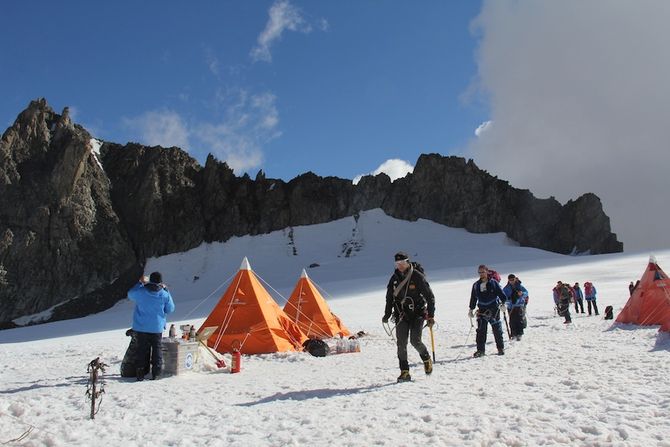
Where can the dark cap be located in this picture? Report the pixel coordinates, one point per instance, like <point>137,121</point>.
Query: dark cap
<point>156,278</point>
<point>401,256</point>
<point>511,276</point>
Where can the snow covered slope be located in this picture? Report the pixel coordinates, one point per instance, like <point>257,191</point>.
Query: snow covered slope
<point>585,384</point>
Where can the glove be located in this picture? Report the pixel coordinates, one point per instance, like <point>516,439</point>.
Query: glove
<point>385,319</point>
<point>471,313</point>
<point>430,321</point>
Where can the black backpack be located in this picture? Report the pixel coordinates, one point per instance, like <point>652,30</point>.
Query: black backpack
<point>316,347</point>
<point>418,267</point>
<point>609,313</point>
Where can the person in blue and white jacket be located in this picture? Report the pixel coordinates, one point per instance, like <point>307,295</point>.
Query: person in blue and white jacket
<point>153,303</point>
<point>590,295</point>
<point>487,295</point>
<point>516,304</point>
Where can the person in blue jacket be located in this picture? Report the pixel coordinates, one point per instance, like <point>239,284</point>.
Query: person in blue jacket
<point>579,298</point>
<point>153,303</point>
<point>590,295</point>
<point>490,299</point>
<point>516,303</point>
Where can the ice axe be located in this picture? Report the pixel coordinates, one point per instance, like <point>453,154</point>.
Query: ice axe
<point>202,337</point>
<point>432,341</point>
<point>219,362</point>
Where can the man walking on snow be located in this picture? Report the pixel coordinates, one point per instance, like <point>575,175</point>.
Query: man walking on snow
<point>410,301</point>
<point>490,298</point>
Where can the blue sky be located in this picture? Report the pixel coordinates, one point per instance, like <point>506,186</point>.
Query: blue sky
<point>287,86</point>
<point>569,96</point>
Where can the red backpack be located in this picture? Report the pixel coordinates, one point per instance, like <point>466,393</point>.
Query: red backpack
<point>587,288</point>
<point>494,275</point>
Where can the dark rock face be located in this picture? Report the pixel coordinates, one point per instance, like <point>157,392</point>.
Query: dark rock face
<point>60,238</point>
<point>73,233</point>
<point>456,193</point>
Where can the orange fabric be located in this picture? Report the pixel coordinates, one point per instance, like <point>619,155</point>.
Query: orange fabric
<point>251,318</point>
<point>308,309</point>
<point>650,302</point>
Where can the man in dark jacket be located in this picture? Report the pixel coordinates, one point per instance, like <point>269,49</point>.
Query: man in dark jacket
<point>490,298</point>
<point>566,296</point>
<point>410,301</point>
<point>152,304</point>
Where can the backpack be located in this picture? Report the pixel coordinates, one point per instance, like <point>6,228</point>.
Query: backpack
<point>316,347</point>
<point>128,365</point>
<point>609,313</point>
<point>588,289</point>
<point>565,293</point>
<point>494,275</point>
<point>418,267</point>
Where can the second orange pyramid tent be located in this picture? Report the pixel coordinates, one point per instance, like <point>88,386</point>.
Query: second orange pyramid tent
<point>307,308</point>
<point>249,320</point>
<point>650,302</point>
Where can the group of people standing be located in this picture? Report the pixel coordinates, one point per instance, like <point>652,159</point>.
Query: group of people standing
<point>564,295</point>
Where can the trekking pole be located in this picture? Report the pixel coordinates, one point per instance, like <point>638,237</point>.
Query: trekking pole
<point>509,334</point>
<point>432,341</point>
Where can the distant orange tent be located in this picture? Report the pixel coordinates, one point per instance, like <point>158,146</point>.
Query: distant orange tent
<point>249,320</point>
<point>650,302</point>
<point>308,309</point>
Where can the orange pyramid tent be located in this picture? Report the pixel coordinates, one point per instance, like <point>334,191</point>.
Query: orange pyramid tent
<point>650,302</point>
<point>249,320</point>
<point>308,309</point>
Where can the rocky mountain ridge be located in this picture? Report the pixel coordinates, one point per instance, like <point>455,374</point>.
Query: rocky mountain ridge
<point>76,226</point>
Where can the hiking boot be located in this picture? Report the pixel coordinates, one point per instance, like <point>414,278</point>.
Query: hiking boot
<point>404,376</point>
<point>428,366</point>
<point>479,354</point>
<point>518,338</point>
<point>155,373</point>
<point>140,374</point>
<point>501,352</point>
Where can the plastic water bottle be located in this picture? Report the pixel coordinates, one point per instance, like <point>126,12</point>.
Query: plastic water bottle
<point>339,346</point>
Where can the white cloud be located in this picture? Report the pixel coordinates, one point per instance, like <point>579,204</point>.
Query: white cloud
<point>160,128</point>
<point>323,24</point>
<point>283,16</point>
<point>394,168</point>
<point>483,127</point>
<point>580,98</point>
<point>213,63</point>
<point>250,122</point>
